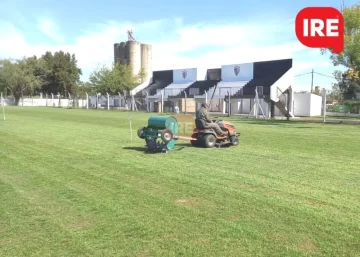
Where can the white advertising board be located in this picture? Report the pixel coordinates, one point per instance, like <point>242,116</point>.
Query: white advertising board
<point>237,72</point>
<point>181,76</point>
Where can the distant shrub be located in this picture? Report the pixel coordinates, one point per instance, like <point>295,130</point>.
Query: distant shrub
<point>354,105</point>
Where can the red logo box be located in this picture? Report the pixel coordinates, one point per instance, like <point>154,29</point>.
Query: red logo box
<point>320,27</point>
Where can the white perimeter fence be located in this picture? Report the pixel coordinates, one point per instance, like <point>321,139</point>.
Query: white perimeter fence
<point>89,102</point>
<point>119,102</point>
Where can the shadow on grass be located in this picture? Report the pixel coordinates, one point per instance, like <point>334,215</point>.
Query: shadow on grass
<point>177,147</point>
<point>139,149</point>
<point>286,123</point>
<point>270,123</point>
<point>282,123</point>
<point>144,149</point>
<point>184,144</point>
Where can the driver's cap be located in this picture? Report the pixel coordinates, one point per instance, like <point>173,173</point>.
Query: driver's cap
<point>205,105</point>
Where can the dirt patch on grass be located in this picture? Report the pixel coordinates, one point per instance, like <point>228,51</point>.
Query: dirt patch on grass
<point>244,186</point>
<point>171,236</point>
<point>306,245</point>
<point>277,237</point>
<point>317,203</point>
<point>66,241</point>
<point>144,253</point>
<point>13,240</point>
<point>188,201</point>
<point>14,179</point>
<point>203,241</point>
<point>78,224</point>
<point>234,218</point>
<point>4,228</point>
<point>273,194</point>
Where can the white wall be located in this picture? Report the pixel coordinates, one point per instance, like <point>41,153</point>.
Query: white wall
<point>44,102</point>
<point>306,104</point>
<point>244,106</point>
<point>140,87</point>
<point>302,104</point>
<point>182,76</point>
<point>283,83</point>
<point>266,108</point>
<point>102,100</point>
<point>201,73</point>
<point>315,105</point>
<point>237,72</point>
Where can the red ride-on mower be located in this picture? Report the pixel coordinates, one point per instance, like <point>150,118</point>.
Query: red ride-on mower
<point>207,137</point>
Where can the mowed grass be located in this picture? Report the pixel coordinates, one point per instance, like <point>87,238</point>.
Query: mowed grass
<point>73,184</point>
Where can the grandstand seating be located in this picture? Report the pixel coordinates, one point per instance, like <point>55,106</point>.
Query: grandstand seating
<point>161,79</point>
<point>265,74</point>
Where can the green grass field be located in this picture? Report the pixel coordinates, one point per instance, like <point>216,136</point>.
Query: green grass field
<point>72,184</point>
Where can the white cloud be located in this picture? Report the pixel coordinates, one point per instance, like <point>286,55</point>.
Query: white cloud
<point>10,39</point>
<point>199,45</point>
<point>308,65</point>
<point>50,29</point>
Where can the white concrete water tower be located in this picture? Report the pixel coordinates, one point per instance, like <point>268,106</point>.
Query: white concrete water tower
<point>135,54</point>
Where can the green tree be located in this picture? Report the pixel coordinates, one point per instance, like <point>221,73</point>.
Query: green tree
<point>118,78</point>
<point>349,58</point>
<point>19,76</point>
<point>2,81</point>
<point>61,73</point>
<point>347,85</point>
<point>85,87</point>
<point>335,93</point>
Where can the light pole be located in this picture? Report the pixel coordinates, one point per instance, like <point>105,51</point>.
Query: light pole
<point>2,99</point>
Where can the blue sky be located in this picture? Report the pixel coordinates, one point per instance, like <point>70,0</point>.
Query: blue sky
<point>184,34</point>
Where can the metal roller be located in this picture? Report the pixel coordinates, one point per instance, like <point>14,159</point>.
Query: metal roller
<point>161,133</point>
<point>162,122</point>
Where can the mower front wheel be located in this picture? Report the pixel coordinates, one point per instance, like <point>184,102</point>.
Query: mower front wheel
<point>140,132</point>
<point>209,140</point>
<point>234,140</point>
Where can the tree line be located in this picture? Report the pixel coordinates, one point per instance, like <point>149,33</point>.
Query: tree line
<point>348,82</point>
<point>59,73</point>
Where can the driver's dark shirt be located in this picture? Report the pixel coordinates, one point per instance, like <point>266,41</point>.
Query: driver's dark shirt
<point>203,114</point>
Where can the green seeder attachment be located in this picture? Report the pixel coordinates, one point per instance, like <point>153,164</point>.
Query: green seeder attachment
<point>160,134</point>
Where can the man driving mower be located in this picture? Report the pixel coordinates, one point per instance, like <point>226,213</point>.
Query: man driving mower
<point>203,115</point>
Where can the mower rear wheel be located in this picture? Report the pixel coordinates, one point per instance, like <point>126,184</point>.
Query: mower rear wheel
<point>234,140</point>
<point>209,140</point>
